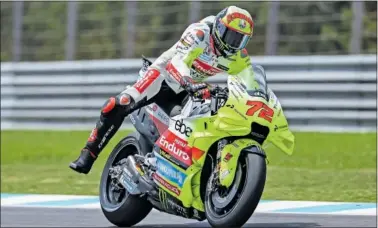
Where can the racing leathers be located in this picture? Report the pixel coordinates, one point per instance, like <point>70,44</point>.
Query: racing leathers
<point>193,58</point>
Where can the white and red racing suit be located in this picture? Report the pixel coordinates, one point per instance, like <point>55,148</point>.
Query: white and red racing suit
<point>193,57</point>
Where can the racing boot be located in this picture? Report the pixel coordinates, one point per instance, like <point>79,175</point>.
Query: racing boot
<point>112,115</point>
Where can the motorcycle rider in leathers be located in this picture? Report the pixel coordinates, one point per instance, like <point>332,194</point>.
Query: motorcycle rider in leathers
<point>213,45</point>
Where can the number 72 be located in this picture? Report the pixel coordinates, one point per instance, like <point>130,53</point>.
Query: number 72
<point>265,112</point>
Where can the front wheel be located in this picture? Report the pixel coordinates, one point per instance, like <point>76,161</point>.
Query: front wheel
<point>233,207</point>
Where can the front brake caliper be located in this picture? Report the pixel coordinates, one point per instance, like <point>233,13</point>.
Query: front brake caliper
<point>227,165</point>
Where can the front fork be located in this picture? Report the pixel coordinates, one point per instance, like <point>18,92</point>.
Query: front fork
<point>228,157</point>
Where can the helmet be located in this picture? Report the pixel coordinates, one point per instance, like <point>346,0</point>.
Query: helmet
<point>232,30</point>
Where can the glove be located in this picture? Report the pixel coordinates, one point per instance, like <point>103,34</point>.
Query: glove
<point>198,90</point>
<point>203,94</point>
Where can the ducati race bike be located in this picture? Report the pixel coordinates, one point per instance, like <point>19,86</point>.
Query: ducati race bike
<point>204,160</point>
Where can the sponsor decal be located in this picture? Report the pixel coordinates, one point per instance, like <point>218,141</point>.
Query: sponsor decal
<point>93,135</point>
<point>240,87</point>
<point>181,142</point>
<point>128,183</point>
<point>163,116</point>
<point>205,68</point>
<point>165,154</point>
<point>206,58</point>
<point>244,53</point>
<point>182,128</point>
<point>173,72</point>
<point>166,184</point>
<point>173,159</point>
<point>280,127</point>
<point>174,149</point>
<point>105,136</point>
<point>170,203</point>
<point>200,35</point>
<point>166,170</point>
<point>227,157</point>
<point>158,112</point>
<point>185,43</point>
<point>154,107</point>
<point>244,17</point>
<point>177,150</point>
<point>258,135</point>
<point>222,67</point>
<point>147,80</point>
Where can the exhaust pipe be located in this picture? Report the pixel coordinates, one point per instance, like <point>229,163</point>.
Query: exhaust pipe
<point>132,180</point>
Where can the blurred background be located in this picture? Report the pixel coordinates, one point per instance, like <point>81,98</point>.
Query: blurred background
<point>46,31</point>
<point>60,61</point>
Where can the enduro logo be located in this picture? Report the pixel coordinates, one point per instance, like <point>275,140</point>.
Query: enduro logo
<point>175,149</point>
<point>182,128</point>
<point>171,148</point>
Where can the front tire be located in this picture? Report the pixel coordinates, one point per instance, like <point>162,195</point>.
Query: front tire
<point>121,208</point>
<point>251,175</point>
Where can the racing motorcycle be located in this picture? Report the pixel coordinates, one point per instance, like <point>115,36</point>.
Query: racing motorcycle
<point>205,160</point>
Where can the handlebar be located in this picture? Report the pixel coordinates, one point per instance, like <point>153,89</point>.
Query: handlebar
<point>215,92</point>
<point>194,88</point>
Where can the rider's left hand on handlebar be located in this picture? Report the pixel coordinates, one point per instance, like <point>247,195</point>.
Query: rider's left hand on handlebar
<point>192,87</point>
<point>202,94</point>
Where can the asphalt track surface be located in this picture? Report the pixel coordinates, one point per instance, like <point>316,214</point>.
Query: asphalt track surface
<point>53,217</point>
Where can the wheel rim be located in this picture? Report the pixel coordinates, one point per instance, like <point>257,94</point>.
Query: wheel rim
<point>223,201</point>
<point>113,196</point>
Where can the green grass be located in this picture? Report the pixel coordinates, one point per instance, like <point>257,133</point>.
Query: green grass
<point>324,166</point>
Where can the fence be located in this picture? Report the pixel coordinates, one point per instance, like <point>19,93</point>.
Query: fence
<point>318,93</point>
<point>75,30</point>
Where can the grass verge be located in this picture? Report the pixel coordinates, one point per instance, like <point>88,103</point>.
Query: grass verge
<point>324,166</point>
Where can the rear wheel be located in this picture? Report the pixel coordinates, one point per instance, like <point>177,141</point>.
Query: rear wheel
<point>118,206</point>
<point>232,207</point>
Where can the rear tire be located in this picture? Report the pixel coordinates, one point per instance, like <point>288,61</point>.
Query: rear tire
<point>131,209</point>
<point>249,192</point>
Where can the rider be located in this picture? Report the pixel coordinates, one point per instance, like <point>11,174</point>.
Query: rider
<point>213,45</point>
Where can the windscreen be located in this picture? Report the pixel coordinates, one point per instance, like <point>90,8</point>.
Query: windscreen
<point>255,81</point>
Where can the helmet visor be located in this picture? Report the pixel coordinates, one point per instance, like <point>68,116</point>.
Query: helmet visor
<point>232,38</point>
